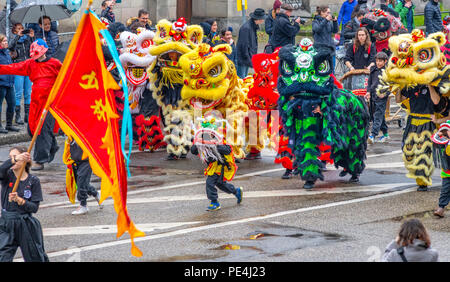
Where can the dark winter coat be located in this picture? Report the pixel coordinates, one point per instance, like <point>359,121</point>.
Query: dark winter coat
<point>52,40</point>
<point>247,44</point>
<point>5,59</point>
<point>233,55</point>
<point>269,24</point>
<point>433,19</point>
<point>20,46</point>
<point>360,58</point>
<point>373,82</point>
<point>323,30</point>
<point>350,29</point>
<point>109,15</point>
<point>284,31</point>
<point>38,30</point>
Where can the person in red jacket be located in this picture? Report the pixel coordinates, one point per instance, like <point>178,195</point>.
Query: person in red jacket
<point>42,72</point>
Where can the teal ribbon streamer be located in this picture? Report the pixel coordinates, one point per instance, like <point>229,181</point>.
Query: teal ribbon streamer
<point>127,124</point>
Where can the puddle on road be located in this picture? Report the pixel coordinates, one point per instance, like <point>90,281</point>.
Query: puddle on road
<point>186,258</point>
<point>146,170</point>
<point>384,172</point>
<point>135,184</point>
<point>269,240</point>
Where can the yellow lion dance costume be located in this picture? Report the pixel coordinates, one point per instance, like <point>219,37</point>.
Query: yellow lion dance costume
<point>211,84</point>
<point>417,73</point>
<point>171,41</point>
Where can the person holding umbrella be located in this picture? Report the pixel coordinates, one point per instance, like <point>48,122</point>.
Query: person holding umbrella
<point>43,72</point>
<point>49,36</point>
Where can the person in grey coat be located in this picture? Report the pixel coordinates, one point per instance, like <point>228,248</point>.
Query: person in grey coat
<point>412,245</point>
<point>433,18</point>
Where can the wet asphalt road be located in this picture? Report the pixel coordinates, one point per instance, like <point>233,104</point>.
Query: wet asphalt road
<point>277,220</point>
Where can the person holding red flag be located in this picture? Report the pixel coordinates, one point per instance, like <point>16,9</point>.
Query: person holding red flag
<point>43,72</point>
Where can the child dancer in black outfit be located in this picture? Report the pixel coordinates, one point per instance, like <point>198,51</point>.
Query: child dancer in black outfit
<point>18,228</point>
<point>209,145</point>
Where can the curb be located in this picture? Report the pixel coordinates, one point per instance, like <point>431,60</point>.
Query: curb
<point>14,138</point>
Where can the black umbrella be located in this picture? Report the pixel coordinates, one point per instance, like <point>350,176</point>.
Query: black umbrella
<point>30,11</point>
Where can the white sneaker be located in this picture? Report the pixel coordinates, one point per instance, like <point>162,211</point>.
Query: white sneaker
<point>100,206</point>
<point>81,210</point>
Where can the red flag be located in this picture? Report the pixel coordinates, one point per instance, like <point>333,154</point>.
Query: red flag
<point>82,102</point>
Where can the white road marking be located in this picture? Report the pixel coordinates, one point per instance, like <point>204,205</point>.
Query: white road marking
<point>263,194</point>
<point>228,223</point>
<point>106,229</point>
<point>386,165</point>
<point>385,154</point>
<point>182,185</point>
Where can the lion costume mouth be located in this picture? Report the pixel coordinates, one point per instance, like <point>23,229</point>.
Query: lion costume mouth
<point>202,104</point>
<point>169,59</point>
<point>407,76</point>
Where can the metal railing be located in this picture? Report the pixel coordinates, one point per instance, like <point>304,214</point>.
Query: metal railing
<point>65,36</point>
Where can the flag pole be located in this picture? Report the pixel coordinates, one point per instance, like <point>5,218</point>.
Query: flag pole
<point>38,129</point>
<point>35,135</point>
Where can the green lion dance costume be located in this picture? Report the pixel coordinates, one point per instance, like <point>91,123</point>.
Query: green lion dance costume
<point>313,110</point>
<point>418,74</point>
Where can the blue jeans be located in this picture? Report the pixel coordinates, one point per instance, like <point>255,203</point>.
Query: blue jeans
<point>22,85</point>
<point>8,94</point>
<point>242,71</point>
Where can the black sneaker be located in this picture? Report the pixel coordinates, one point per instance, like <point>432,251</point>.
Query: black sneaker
<point>172,157</point>
<point>343,173</point>
<point>354,179</point>
<point>422,188</point>
<point>287,174</point>
<point>12,128</point>
<point>253,156</point>
<point>308,185</point>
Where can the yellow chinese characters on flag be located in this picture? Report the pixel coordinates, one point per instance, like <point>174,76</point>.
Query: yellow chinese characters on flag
<point>82,103</point>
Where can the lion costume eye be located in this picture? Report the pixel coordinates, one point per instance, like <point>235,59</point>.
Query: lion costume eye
<point>162,32</point>
<point>324,67</point>
<point>286,68</point>
<point>425,55</point>
<point>215,71</point>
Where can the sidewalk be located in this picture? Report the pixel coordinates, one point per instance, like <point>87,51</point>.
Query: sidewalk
<point>15,137</point>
